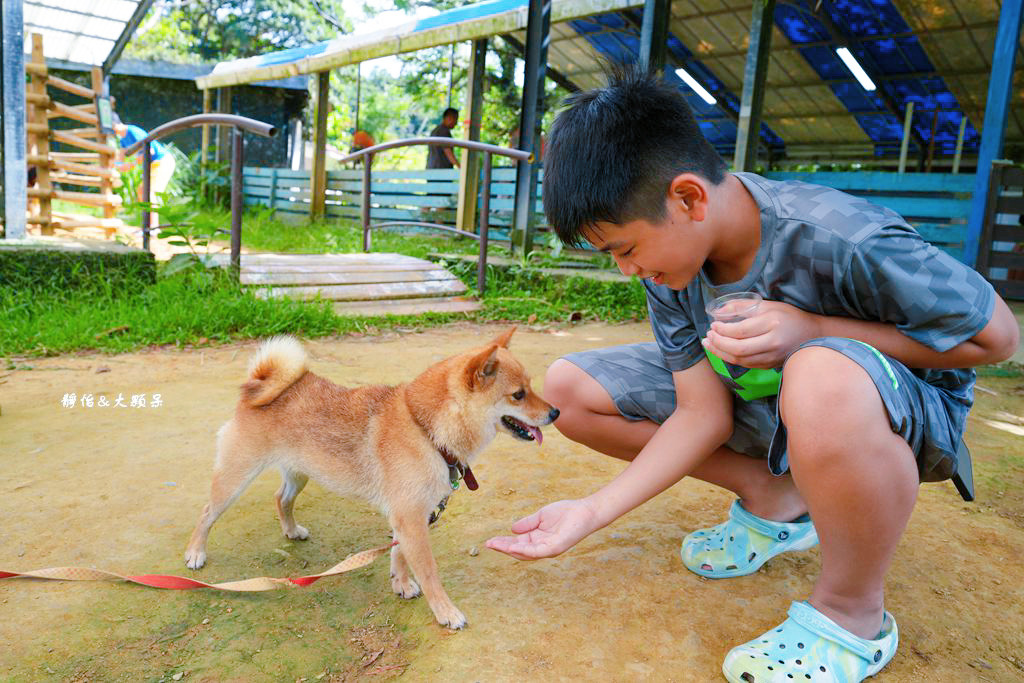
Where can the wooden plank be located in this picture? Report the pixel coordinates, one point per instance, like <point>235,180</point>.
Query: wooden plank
<point>88,222</point>
<point>260,268</point>
<point>396,188</point>
<point>880,181</point>
<point>1006,204</point>
<point>68,86</point>
<point>258,171</point>
<point>1006,259</point>
<point>76,141</point>
<point>1013,176</point>
<point>451,174</point>
<point>338,260</point>
<point>408,306</point>
<point>75,156</point>
<point>948,233</point>
<point>924,207</point>
<point>83,169</point>
<point>247,277</point>
<point>88,198</point>
<point>371,292</point>
<point>1002,232</point>
<point>1009,289</point>
<point>60,110</point>
<point>39,145</point>
<point>83,180</point>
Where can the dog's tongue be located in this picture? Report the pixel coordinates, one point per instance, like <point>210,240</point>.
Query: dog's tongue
<point>535,432</point>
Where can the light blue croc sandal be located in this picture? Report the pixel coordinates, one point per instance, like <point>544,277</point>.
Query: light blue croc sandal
<point>810,647</point>
<point>743,543</point>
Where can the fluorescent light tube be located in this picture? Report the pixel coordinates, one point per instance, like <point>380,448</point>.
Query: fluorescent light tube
<point>855,68</point>
<point>697,87</point>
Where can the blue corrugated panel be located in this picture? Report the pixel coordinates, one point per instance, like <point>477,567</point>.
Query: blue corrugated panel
<point>474,11</point>
<point>618,40</point>
<point>885,46</point>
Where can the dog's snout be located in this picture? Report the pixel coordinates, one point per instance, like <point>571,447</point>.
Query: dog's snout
<point>552,415</point>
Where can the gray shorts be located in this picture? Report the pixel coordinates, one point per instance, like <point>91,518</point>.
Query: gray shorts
<point>929,420</point>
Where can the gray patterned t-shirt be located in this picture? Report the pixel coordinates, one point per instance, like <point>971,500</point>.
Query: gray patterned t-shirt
<point>830,253</point>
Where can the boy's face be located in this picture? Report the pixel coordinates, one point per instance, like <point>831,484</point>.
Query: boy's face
<point>669,251</point>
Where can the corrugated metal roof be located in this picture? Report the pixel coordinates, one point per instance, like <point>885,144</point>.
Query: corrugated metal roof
<point>934,53</point>
<point>82,31</point>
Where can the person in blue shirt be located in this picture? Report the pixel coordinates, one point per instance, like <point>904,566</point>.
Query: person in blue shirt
<point>161,169</point>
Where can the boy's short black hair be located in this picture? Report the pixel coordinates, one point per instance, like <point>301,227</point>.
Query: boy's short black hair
<point>450,111</point>
<point>613,151</point>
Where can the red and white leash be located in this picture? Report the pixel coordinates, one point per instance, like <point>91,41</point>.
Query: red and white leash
<point>262,583</point>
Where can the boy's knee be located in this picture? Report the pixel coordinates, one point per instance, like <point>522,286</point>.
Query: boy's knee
<point>562,384</point>
<point>821,385</point>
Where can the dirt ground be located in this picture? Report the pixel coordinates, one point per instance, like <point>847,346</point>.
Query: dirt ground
<point>119,488</point>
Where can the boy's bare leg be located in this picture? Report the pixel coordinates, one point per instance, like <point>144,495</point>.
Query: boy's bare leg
<point>858,477</point>
<point>588,416</point>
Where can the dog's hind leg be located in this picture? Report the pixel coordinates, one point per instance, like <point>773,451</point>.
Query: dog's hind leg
<point>292,483</point>
<point>229,480</point>
<point>411,533</point>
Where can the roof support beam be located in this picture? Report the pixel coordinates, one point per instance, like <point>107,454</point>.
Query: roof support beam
<point>318,175</point>
<point>538,32</point>
<point>13,172</point>
<point>552,73</point>
<point>993,131</point>
<point>129,30</point>
<point>754,75</point>
<point>469,175</point>
<point>654,35</point>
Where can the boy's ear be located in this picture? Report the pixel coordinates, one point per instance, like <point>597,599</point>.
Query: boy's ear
<point>481,368</point>
<point>503,338</point>
<point>691,191</point>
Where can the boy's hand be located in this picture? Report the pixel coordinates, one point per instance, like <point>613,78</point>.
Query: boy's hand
<point>548,532</point>
<point>765,339</point>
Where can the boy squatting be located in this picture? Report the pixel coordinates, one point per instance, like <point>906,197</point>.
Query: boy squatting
<point>869,326</point>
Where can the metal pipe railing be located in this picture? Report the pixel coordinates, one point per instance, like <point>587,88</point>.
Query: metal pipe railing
<point>472,145</point>
<point>241,124</point>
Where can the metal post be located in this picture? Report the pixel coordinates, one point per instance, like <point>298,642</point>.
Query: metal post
<point>485,224</point>
<point>959,144</point>
<point>237,163</point>
<point>365,213</point>
<point>654,34</point>
<point>13,172</point>
<point>530,119</point>
<point>748,132</point>
<point>147,161</point>
<point>997,105</point>
<point>908,124</point>
<point>318,181</point>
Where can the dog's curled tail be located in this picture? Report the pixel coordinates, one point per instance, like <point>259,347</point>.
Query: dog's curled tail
<point>278,364</point>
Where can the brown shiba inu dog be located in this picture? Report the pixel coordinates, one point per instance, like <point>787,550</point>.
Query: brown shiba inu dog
<point>401,448</point>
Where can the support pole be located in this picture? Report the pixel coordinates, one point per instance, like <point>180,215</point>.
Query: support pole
<point>465,216</point>
<point>908,126</point>
<point>318,177</point>
<point>530,120</point>
<point>204,145</point>
<point>993,131</point>
<point>959,144</point>
<point>12,89</point>
<point>755,73</point>
<point>654,34</point>
<point>224,107</point>
<point>237,163</point>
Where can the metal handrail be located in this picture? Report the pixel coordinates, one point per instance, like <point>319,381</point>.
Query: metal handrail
<point>241,124</point>
<point>485,198</point>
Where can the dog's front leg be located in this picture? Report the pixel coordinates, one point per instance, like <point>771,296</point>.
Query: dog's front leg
<point>412,536</point>
<point>403,584</point>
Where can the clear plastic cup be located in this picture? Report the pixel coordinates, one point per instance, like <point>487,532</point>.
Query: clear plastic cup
<point>732,308</point>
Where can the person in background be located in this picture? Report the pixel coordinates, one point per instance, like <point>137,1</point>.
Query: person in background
<point>443,157</point>
<point>161,168</point>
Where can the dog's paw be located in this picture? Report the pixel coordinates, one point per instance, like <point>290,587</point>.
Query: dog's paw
<point>451,617</point>
<point>195,559</point>
<point>407,589</point>
<point>299,533</point>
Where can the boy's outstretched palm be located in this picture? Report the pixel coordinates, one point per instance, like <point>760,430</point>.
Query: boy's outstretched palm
<point>548,532</point>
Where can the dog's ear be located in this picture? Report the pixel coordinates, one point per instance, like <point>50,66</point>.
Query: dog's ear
<point>503,338</point>
<point>481,368</point>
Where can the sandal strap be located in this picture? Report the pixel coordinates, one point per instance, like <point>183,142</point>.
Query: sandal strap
<point>765,527</point>
<point>816,622</point>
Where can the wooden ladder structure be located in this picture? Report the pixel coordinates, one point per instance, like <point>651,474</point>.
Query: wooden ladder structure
<point>91,168</point>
